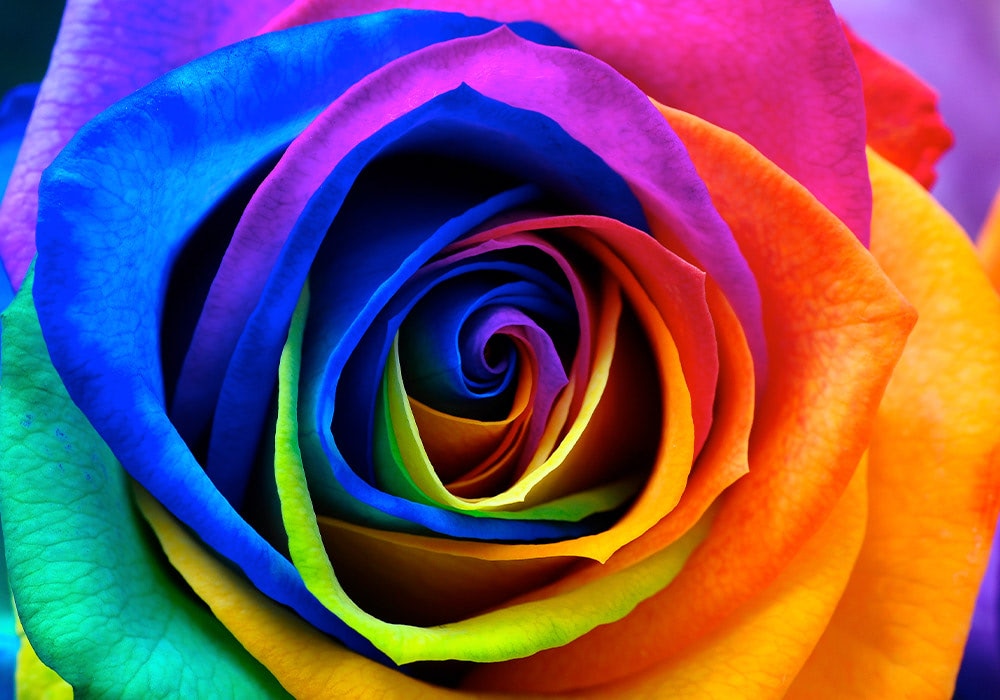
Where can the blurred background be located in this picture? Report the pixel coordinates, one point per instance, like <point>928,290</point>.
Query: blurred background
<point>27,31</point>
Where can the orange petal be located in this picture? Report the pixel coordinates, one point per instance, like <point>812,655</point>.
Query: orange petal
<point>835,327</point>
<point>757,653</point>
<point>934,476</point>
<point>989,243</point>
<point>904,125</point>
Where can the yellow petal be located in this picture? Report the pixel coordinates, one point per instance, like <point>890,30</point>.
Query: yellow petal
<point>900,629</point>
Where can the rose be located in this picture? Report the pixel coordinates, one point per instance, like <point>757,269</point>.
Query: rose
<point>830,327</point>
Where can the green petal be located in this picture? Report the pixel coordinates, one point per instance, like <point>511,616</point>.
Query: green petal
<point>94,595</point>
<point>33,680</point>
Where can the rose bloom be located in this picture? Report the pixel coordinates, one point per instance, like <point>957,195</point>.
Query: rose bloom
<point>568,349</point>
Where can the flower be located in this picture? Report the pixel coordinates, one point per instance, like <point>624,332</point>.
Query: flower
<point>431,351</point>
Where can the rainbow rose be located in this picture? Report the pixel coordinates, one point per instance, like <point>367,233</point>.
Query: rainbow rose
<point>550,348</point>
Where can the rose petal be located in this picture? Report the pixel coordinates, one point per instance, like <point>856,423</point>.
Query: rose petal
<point>306,662</point>
<point>788,87</point>
<point>934,475</point>
<point>761,647</point>
<point>271,214</point>
<point>641,150</point>
<point>989,243</point>
<point>904,125</point>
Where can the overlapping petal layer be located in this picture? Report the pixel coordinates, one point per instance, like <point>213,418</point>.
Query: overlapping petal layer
<point>111,353</point>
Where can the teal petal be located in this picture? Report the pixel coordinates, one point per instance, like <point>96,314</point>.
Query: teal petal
<point>95,596</point>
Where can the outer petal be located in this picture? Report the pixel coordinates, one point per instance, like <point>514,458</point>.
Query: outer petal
<point>904,126</point>
<point>757,654</point>
<point>105,50</point>
<point>934,480</point>
<point>306,662</point>
<point>92,593</point>
<point>789,87</point>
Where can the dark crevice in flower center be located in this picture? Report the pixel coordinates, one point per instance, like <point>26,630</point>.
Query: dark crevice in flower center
<point>190,280</point>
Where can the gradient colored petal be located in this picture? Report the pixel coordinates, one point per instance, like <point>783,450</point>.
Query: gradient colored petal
<point>904,125</point>
<point>836,327</point>
<point>66,502</point>
<point>934,472</point>
<point>307,663</point>
<point>712,59</point>
<point>14,112</point>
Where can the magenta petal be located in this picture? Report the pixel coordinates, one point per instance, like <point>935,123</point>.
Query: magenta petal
<point>779,74</point>
<point>107,49</point>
